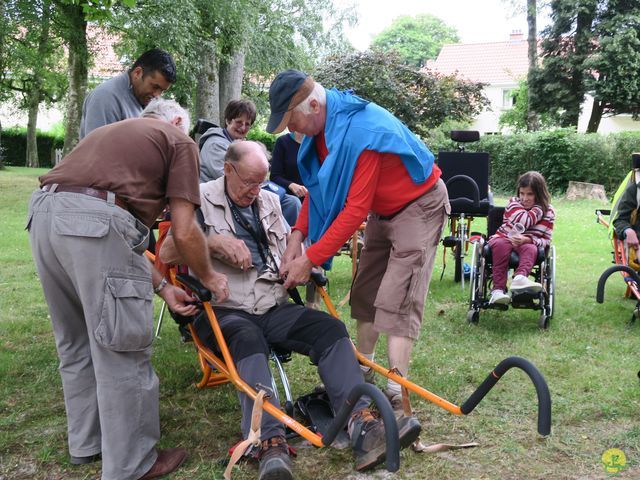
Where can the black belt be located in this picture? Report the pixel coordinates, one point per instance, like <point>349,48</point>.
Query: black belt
<point>92,192</point>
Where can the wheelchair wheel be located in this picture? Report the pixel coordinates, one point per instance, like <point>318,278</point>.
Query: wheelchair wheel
<point>551,288</point>
<point>476,282</point>
<point>543,322</point>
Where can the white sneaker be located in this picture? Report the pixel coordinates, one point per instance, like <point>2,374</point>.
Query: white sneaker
<point>498,297</point>
<point>521,284</point>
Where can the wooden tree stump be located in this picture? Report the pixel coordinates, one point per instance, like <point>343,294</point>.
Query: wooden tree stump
<point>578,190</point>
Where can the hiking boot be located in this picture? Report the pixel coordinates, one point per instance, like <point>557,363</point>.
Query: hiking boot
<point>522,284</point>
<point>498,297</point>
<point>408,426</point>
<point>368,437</point>
<point>366,431</point>
<point>275,463</point>
<point>408,430</point>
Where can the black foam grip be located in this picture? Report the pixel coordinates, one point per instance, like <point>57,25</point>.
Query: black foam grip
<point>195,286</point>
<point>542,390</point>
<point>465,136</point>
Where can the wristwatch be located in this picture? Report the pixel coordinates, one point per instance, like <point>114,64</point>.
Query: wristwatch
<point>161,285</point>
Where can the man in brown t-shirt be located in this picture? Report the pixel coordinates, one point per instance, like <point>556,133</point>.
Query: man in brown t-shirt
<point>89,226</point>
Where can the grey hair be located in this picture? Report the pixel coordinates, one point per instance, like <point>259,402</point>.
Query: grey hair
<point>318,93</point>
<point>167,110</point>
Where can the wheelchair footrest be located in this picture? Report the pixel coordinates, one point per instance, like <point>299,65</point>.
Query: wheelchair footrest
<point>525,300</point>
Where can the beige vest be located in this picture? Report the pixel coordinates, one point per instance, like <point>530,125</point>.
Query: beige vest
<point>249,291</point>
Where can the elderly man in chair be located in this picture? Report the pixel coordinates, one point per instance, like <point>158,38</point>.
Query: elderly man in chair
<point>246,235</point>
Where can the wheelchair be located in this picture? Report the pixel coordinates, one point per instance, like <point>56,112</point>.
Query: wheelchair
<point>466,175</point>
<point>544,272</point>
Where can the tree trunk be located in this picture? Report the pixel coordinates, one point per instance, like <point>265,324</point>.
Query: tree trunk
<point>596,116</point>
<point>1,148</point>
<point>35,93</point>
<point>231,73</point>
<point>533,123</point>
<point>32,143</point>
<point>76,39</point>
<point>208,88</point>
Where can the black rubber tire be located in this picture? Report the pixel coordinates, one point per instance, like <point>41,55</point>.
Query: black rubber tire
<point>543,322</point>
<point>473,316</point>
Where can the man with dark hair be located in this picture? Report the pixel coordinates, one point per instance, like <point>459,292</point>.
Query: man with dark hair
<point>125,95</point>
<point>247,236</point>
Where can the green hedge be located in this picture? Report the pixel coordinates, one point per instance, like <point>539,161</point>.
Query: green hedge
<point>560,155</point>
<point>14,146</point>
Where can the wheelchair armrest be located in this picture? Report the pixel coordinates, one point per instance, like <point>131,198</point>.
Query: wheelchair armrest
<point>470,182</point>
<point>195,286</point>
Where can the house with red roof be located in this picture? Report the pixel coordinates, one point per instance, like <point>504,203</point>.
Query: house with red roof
<point>501,66</point>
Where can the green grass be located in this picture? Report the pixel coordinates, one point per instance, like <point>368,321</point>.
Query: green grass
<point>588,357</point>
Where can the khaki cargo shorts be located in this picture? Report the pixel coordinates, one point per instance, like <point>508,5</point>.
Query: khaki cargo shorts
<point>396,263</point>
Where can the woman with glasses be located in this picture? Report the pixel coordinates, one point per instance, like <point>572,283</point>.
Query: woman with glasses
<point>239,116</point>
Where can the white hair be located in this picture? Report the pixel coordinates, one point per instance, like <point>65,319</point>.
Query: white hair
<point>318,93</point>
<point>167,110</point>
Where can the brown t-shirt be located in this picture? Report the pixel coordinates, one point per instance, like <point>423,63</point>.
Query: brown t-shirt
<point>144,161</point>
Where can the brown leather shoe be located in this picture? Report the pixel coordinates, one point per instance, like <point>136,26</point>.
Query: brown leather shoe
<point>168,460</point>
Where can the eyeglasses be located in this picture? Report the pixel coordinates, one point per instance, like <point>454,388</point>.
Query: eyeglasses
<point>238,122</point>
<point>249,185</point>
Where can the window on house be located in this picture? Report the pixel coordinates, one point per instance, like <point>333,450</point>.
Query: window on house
<point>508,98</point>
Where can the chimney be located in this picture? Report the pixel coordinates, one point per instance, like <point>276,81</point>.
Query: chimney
<point>516,36</point>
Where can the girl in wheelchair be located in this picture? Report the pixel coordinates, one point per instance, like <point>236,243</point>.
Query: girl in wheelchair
<point>527,224</point>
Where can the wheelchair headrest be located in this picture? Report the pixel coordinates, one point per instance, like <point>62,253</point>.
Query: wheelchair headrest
<point>201,126</point>
<point>635,160</point>
<point>465,136</point>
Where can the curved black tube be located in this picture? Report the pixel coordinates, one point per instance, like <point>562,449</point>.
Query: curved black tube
<point>470,182</point>
<point>195,286</point>
<point>392,461</point>
<point>544,398</point>
<point>610,271</point>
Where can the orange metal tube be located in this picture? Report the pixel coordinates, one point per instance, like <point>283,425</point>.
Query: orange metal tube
<point>424,393</point>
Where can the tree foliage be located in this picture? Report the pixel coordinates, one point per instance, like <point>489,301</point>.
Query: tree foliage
<point>616,61</point>
<point>416,39</point>
<point>422,100</point>
<point>517,117</point>
<point>206,37</point>
<point>591,47</point>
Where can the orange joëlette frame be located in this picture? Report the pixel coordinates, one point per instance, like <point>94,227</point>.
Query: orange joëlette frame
<point>620,258</point>
<point>226,372</point>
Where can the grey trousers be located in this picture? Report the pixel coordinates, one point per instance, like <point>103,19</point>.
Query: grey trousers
<point>100,296</point>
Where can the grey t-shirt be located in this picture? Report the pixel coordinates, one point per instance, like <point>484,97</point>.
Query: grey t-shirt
<point>109,102</point>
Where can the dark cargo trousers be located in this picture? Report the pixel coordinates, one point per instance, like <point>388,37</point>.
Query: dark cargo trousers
<point>98,287</point>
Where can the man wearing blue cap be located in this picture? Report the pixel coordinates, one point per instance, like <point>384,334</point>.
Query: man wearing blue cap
<point>360,162</point>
